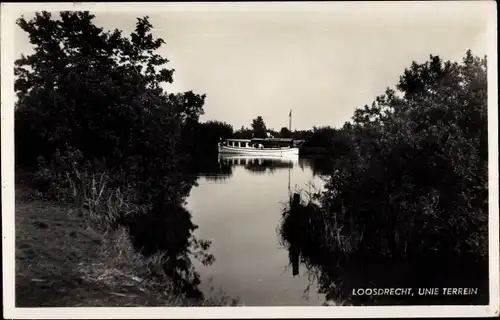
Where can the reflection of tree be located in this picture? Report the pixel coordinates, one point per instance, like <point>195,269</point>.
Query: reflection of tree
<point>320,165</point>
<point>156,232</point>
<point>259,169</point>
<point>216,177</point>
<point>267,165</point>
<point>211,167</point>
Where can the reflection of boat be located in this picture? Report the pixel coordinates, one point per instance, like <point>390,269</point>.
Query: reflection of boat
<point>259,161</point>
<point>272,147</point>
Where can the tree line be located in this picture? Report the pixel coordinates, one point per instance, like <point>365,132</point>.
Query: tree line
<point>321,140</point>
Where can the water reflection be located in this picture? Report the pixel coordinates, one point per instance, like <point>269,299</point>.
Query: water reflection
<point>240,213</point>
<point>221,169</point>
<point>214,170</point>
<point>259,165</point>
<point>320,165</point>
<point>238,205</point>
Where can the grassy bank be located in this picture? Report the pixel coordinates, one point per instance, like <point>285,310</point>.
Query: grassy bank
<point>63,261</point>
<point>110,155</point>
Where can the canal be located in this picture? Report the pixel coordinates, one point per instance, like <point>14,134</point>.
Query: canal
<point>240,212</point>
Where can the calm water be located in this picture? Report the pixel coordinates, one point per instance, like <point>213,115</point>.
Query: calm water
<point>240,212</point>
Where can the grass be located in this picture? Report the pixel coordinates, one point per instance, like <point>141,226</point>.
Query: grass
<point>62,261</point>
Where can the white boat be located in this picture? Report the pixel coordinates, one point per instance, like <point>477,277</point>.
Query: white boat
<point>268,147</point>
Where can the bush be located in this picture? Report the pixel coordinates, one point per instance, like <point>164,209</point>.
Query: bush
<point>411,189</point>
<point>106,135</point>
<point>419,162</point>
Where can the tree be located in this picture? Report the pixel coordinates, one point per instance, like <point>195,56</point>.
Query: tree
<point>285,133</point>
<point>100,93</point>
<point>243,133</point>
<point>322,137</point>
<point>96,90</point>
<point>209,134</point>
<point>302,134</point>
<point>413,183</point>
<point>259,128</point>
<point>218,129</point>
<point>431,146</point>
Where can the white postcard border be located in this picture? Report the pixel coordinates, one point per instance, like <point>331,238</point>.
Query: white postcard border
<point>10,11</point>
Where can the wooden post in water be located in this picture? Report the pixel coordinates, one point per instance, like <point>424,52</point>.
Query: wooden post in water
<point>289,190</point>
<point>295,245</point>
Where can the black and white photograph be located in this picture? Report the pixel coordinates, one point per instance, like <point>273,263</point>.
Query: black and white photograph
<point>216,160</point>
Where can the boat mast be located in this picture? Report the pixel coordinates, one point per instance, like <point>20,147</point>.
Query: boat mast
<point>290,121</point>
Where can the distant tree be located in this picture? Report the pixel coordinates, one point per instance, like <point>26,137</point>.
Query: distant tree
<point>243,133</point>
<point>301,134</point>
<point>273,133</point>
<point>259,127</point>
<point>322,137</point>
<point>285,133</point>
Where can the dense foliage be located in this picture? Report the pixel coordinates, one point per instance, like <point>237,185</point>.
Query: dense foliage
<point>93,116</point>
<point>285,133</point>
<point>419,163</point>
<point>414,181</point>
<point>210,133</point>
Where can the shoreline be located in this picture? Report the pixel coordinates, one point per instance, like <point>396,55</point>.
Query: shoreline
<point>61,261</point>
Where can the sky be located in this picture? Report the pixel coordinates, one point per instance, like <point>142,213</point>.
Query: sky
<point>321,63</point>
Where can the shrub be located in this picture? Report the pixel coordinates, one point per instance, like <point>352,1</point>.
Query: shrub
<point>410,190</point>
<point>107,136</point>
<point>419,162</point>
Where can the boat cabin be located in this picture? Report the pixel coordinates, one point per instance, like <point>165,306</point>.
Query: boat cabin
<point>259,143</point>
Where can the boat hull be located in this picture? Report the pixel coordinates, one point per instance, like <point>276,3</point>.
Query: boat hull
<point>269,152</point>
